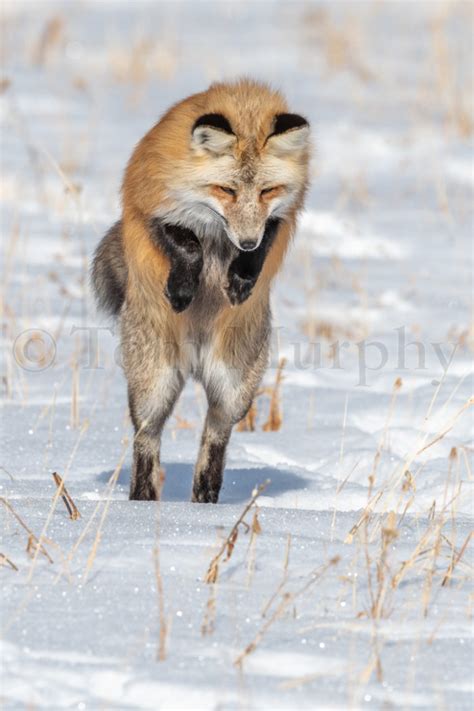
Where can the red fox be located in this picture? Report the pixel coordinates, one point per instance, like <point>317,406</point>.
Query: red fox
<point>210,200</point>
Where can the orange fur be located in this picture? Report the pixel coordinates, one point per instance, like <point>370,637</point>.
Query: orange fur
<point>236,181</point>
<point>163,159</point>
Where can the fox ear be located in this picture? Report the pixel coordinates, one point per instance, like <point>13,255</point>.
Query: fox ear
<point>290,134</point>
<point>212,133</point>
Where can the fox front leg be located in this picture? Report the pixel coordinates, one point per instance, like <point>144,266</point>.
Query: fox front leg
<point>245,269</point>
<point>230,389</point>
<point>184,251</point>
<point>149,415</point>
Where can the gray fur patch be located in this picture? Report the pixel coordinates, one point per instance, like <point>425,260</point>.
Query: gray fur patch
<point>109,271</point>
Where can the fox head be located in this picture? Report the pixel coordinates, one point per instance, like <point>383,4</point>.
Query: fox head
<point>244,162</point>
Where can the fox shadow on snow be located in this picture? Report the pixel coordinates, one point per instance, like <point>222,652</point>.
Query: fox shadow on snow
<point>237,487</point>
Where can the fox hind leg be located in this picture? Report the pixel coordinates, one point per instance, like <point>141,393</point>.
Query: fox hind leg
<point>230,392</point>
<point>149,413</point>
<point>207,479</point>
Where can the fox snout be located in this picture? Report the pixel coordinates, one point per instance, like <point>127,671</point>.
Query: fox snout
<point>246,240</point>
<point>248,245</point>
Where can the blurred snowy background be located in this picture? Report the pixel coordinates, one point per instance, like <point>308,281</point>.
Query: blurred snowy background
<point>357,590</point>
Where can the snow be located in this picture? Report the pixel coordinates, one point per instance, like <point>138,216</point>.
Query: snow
<point>377,287</point>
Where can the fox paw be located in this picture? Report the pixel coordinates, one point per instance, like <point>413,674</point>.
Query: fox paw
<point>239,289</point>
<point>203,495</point>
<point>180,292</point>
<point>142,493</point>
<point>179,299</point>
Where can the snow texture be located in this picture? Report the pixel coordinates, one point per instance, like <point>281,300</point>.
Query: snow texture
<point>382,259</point>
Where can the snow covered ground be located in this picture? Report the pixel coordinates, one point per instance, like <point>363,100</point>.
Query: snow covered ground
<point>355,585</point>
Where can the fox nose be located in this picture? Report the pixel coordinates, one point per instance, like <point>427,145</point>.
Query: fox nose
<point>248,245</point>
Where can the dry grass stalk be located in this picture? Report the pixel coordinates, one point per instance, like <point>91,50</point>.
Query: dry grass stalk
<point>207,627</point>
<point>301,680</point>
<point>51,36</point>
<point>275,419</point>
<point>438,532</point>
<point>226,550</point>
<point>435,550</point>
<point>3,469</point>
<point>341,43</point>
<point>375,661</point>
<point>33,542</point>
<point>49,409</point>
<point>338,491</point>
<point>373,500</point>
<point>8,262</point>
<point>464,337</point>
<point>287,599</point>
<point>110,485</point>
<point>456,560</point>
<point>378,589</point>
<point>454,462</point>
<point>429,544</point>
<point>255,531</point>
<point>368,566</point>
<point>66,497</point>
<point>75,397</point>
<point>364,517</point>
<point>54,502</point>
<point>183,424</point>
<point>71,189</point>
<point>388,535</point>
<point>457,102</point>
<point>49,444</point>
<point>420,547</point>
<point>398,476</point>
<point>247,423</point>
<point>161,482</point>
<point>229,543</point>
<point>467,463</point>
<point>432,511</point>
<point>163,622</point>
<point>30,547</point>
<point>98,535</point>
<point>284,579</point>
<point>448,427</point>
<point>395,390</point>
<point>344,423</point>
<point>6,561</point>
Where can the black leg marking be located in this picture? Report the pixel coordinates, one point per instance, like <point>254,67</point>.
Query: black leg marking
<point>142,487</point>
<point>207,481</point>
<point>245,269</point>
<point>184,251</point>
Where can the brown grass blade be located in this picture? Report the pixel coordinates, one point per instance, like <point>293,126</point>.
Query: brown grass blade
<point>6,561</point>
<point>275,418</point>
<point>32,539</point>
<point>229,543</point>
<point>66,497</point>
<point>454,563</point>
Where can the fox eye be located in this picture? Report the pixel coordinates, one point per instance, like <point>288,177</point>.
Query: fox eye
<point>227,190</point>
<point>267,191</point>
